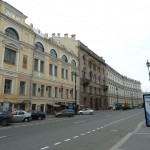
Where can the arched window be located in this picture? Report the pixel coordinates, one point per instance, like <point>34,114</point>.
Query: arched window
<point>64,58</point>
<point>39,46</point>
<point>12,33</point>
<point>53,53</point>
<point>90,76</point>
<point>73,63</point>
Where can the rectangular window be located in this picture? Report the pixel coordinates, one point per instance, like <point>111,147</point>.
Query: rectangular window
<point>49,91</point>
<point>62,73</point>
<point>22,87</point>
<point>55,71</point>
<point>34,87</point>
<point>10,56</point>
<point>42,66</point>
<point>25,61</point>
<point>36,64</point>
<point>67,93</point>
<point>62,91</point>
<point>50,69</point>
<point>7,86</point>
<point>42,90</point>
<point>66,74</point>
<point>56,91</point>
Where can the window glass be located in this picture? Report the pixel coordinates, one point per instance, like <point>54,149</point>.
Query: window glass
<point>11,33</point>
<point>39,46</point>
<point>10,56</point>
<point>7,87</point>
<point>53,53</point>
<point>64,58</point>
<point>73,63</point>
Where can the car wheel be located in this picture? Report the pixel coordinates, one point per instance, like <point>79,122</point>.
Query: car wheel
<point>80,113</point>
<point>91,113</point>
<point>4,122</point>
<point>26,119</point>
<point>39,118</point>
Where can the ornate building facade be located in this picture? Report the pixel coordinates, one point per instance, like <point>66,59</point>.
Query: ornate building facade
<point>92,73</point>
<point>122,89</point>
<point>36,72</point>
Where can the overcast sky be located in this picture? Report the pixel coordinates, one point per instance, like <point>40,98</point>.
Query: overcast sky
<point>117,30</point>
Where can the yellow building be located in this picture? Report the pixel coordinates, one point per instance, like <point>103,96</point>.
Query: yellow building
<point>36,72</point>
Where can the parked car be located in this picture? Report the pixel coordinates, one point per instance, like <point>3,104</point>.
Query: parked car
<point>20,115</point>
<point>65,113</point>
<point>86,111</point>
<point>5,117</point>
<point>37,115</point>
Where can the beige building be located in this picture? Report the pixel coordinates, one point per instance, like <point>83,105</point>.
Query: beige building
<point>36,72</point>
<point>92,73</point>
<point>122,89</point>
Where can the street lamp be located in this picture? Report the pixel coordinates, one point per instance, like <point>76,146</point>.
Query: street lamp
<point>75,74</point>
<point>117,96</point>
<point>132,99</point>
<point>148,65</point>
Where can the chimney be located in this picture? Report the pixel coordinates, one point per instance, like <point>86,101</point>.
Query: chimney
<point>58,34</point>
<point>53,34</point>
<point>73,36</point>
<point>66,35</point>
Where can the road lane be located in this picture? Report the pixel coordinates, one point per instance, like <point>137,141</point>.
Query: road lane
<point>48,134</point>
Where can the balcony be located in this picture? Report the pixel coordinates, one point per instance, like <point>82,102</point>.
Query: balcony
<point>85,81</point>
<point>105,88</point>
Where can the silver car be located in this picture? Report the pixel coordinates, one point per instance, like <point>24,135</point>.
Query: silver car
<point>20,115</point>
<point>86,111</point>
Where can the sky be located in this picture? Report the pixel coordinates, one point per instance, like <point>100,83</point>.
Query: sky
<point>117,30</point>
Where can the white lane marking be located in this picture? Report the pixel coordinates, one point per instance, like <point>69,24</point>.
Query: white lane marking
<point>122,141</point>
<point>57,143</point>
<point>102,127</point>
<point>98,128</point>
<point>114,130</point>
<point>88,132</point>
<point>80,121</point>
<point>93,130</point>
<point>67,140</point>
<point>75,137</point>
<point>46,147</point>
<point>3,137</point>
<point>82,134</point>
<point>141,133</point>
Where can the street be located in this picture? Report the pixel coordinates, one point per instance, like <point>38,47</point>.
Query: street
<point>105,130</point>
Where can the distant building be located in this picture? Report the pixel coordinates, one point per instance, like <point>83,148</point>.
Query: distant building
<point>122,89</point>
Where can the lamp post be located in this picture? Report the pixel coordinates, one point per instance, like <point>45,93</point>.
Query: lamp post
<point>148,65</point>
<point>75,74</point>
<point>132,99</point>
<point>117,96</point>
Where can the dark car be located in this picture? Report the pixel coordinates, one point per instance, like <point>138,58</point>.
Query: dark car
<point>5,117</point>
<point>37,115</point>
<point>65,113</point>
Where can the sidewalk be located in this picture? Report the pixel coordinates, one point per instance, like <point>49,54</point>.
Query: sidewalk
<point>139,139</point>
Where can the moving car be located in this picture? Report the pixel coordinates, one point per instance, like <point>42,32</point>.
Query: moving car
<point>5,117</point>
<point>37,115</point>
<point>86,111</point>
<point>21,115</point>
<point>65,113</point>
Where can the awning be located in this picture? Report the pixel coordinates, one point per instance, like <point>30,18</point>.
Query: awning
<point>55,105</point>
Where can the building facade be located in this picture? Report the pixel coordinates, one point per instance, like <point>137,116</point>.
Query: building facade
<point>36,72</point>
<point>122,89</point>
<point>92,73</point>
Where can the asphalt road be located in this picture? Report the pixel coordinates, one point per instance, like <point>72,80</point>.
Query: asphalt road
<point>101,131</point>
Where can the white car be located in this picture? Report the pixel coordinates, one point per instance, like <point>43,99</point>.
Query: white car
<point>20,115</point>
<point>86,111</point>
